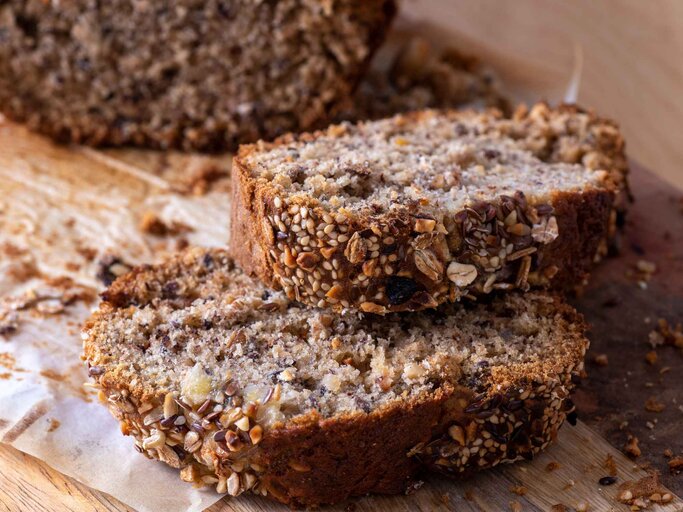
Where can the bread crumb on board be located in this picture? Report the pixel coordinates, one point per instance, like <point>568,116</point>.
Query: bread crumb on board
<point>631,447</point>
<point>640,494</point>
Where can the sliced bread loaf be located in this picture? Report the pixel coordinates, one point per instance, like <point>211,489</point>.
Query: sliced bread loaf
<point>189,74</point>
<point>412,211</point>
<point>240,388</point>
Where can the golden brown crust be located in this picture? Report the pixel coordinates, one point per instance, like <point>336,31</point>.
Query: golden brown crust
<point>549,244</point>
<point>498,414</point>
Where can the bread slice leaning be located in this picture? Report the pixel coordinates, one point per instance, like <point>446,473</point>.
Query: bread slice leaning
<point>409,212</point>
<point>244,390</point>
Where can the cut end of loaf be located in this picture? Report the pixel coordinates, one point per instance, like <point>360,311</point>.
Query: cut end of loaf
<point>436,160</point>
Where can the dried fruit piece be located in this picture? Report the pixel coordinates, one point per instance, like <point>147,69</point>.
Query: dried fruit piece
<point>400,289</point>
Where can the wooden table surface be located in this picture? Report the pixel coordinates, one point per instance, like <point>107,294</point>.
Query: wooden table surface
<point>31,485</point>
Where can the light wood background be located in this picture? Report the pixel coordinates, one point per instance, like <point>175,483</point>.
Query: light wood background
<point>632,59</point>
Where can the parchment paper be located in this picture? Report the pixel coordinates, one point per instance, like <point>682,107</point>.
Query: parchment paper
<point>65,213</point>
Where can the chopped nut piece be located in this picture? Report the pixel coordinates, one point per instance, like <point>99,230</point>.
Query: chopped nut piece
<point>546,231</point>
<point>170,405</point>
<point>424,225</point>
<point>371,307</point>
<point>427,263</point>
<point>189,473</point>
<point>222,485</point>
<point>335,292</point>
<point>457,433</point>
<point>192,442</point>
<point>256,434</point>
<point>307,260</point>
<point>157,439</point>
<point>233,484</point>
<point>287,375</point>
<point>461,274</point>
<point>356,248</point>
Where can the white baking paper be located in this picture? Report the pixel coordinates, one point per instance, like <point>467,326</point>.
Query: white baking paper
<point>61,212</point>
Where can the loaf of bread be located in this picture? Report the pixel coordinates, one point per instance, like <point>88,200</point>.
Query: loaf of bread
<point>408,212</point>
<point>242,389</point>
<point>194,75</point>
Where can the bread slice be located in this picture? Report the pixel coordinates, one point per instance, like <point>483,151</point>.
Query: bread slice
<point>194,75</point>
<point>409,212</point>
<point>240,388</point>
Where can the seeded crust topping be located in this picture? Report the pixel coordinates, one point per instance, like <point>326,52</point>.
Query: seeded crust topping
<point>194,75</point>
<point>218,377</point>
<point>412,211</point>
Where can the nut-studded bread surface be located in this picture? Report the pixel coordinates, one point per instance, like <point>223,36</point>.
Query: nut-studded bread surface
<point>189,74</point>
<point>409,212</point>
<point>240,388</point>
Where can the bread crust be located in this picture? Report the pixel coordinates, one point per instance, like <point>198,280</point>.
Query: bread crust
<point>216,74</point>
<point>501,414</point>
<point>552,244</point>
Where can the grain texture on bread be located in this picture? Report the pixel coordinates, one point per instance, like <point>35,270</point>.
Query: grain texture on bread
<point>409,212</point>
<point>240,388</point>
<point>185,74</point>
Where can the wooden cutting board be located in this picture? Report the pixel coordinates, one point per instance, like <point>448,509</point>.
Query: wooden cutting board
<point>567,474</point>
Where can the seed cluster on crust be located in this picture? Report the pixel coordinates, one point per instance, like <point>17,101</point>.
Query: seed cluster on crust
<point>497,428</point>
<point>215,415</point>
<point>409,262</point>
<point>330,239</point>
<point>210,443</point>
